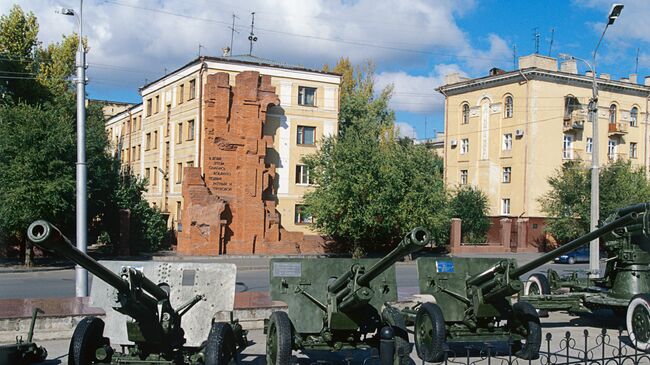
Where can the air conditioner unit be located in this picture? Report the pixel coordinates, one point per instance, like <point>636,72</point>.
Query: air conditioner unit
<point>453,143</point>
<point>519,133</point>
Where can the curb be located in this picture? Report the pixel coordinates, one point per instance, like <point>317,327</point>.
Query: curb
<point>34,269</point>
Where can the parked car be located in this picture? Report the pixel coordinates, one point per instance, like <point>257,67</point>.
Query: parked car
<point>578,255</point>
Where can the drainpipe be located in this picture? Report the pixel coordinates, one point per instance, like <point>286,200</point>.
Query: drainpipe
<point>526,137</point>
<point>645,140</point>
<point>444,155</point>
<point>200,121</point>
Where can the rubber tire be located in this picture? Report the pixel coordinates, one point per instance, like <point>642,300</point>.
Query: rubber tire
<point>87,337</point>
<point>431,312</point>
<point>542,283</point>
<point>637,300</point>
<point>283,338</point>
<point>220,347</point>
<point>571,260</point>
<point>394,318</point>
<point>526,314</point>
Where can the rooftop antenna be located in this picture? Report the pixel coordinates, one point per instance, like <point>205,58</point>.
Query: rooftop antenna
<point>251,37</point>
<point>233,31</point>
<point>550,47</point>
<point>514,56</point>
<point>636,67</point>
<point>536,39</point>
<point>200,46</point>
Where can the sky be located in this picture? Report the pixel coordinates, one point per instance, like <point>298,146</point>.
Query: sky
<point>413,43</point>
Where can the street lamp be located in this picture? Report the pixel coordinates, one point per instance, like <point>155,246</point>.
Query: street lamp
<point>594,249</point>
<point>81,275</point>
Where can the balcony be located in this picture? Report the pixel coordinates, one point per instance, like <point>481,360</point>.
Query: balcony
<point>576,120</point>
<point>617,128</point>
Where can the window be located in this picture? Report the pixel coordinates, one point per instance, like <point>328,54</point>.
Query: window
<point>590,145</point>
<point>306,96</point>
<point>190,130</point>
<point>147,174</point>
<point>611,149</point>
<point>190,163</point>
<point>301,216</point>
<point>509,107</point>
<point>138,152</point>
<point>507,142</point>
<point>179,172</point>
<point>306,135</point>
<point>612,114</point>
<point>465,113</point>
<point>154,177</point>
<point>149,107</point>
<point>464,146</point>
<point>463,177</point>
<point>192,89</point>
<point>567,147</point>
<point>507,172</point>
<point>157,104</point>
<point>634,117</point>
<point>179,133</point>
<point>571,103</point>
<point>633,149</point>
<point>505,206</point>
<point>179,211</point>
<point>147,144</point>
<point>302,175</point>
<point>133,153</point>
<point>181,93</point>
<point>139,121</point>
<point>155,140</point>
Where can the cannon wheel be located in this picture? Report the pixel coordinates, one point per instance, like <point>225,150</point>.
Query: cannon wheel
<point>87,337</point>
<point>430,335</point>
<point>526,315</point>
<point>220,347</point>
<point>638,321</point>
<point>278,339</point>
<point>537,284</point>
<point>395,319</point>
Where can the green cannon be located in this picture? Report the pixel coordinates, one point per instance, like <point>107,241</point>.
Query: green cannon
<point>153,325</point>
<point>624,287</point>
<point>23,352</point>
<point>339,304</point>
<point>473,299</point>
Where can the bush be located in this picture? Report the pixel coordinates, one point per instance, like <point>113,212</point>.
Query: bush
<point>470,204</point>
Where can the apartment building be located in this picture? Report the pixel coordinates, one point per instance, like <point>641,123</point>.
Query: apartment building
<point>506,133</point>
<point>163,134</point>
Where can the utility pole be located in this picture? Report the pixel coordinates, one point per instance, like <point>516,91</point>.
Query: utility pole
<point>251,37</point>
<point>536,39</point>
<point>636,66</point>
<point>550,47</point>
<point>81,275</point>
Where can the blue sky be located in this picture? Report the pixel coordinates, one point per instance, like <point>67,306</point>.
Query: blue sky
<point>413,43</point>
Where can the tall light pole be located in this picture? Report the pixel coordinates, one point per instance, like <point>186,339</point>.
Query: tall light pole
<point>81,275</point>
<point>594,247</point>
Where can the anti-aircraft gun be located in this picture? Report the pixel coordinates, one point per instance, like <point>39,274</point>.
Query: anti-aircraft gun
<point>624,287</point>
<point>153,325</point>
<point>339,304</point>
<point>473,298</point>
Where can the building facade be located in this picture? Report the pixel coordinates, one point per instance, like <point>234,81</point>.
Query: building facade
<point>508,132</point>
<point>161,136</point>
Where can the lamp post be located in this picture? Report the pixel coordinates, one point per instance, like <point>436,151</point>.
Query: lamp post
<point>81,275</point>
<point>594,247</point>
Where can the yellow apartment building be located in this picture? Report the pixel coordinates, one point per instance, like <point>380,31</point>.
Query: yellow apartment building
<point>506,133</point>
<point>163,134</point>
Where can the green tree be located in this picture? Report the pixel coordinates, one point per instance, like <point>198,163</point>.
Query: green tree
<point>568,201</point>
<point>470,204</point>
<point>58,64</point>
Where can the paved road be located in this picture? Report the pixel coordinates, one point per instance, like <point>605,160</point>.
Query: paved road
<point>60,283</point>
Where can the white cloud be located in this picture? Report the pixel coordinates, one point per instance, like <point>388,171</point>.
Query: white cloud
<point>405,130</point>
<point>416,93</point>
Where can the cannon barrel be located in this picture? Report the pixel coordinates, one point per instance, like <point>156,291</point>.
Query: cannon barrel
<point>47,236</point>
<point>630,215</point>
<point>413,241</point>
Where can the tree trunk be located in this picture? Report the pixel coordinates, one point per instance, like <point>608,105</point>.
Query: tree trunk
<point>26,251</point>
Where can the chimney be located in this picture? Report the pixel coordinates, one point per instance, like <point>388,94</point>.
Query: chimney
<point>496,71</point>
<point>633,78</point>
<point>569,66</point>
<point>647,81</point>
<point>625,79</point>
<point>538,61</point>
<point>589,74</point>
<point>454,78</point>
<point>604,76</point>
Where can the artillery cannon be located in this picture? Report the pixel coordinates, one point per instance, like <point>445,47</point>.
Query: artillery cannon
<point>338,304</point>
<point>473,299</point>
<point>624,287</point>
<point>23,352</point>
<point>154,330</point>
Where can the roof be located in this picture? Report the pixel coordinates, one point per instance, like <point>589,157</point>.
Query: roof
<point>535,73</point>
<point>123,113</point>
<point>243,59</point>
